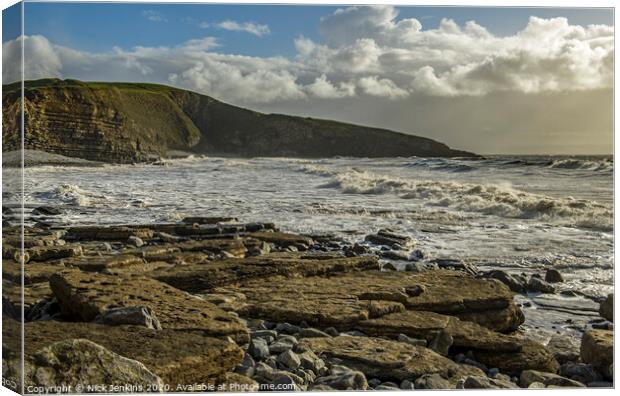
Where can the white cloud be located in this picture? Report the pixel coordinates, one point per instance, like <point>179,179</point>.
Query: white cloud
<point>376,86</point>
<point>366,52</point>
<point>154,16</point>
<point>248,27</point>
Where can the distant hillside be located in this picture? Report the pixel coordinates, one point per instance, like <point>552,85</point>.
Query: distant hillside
<point>127,122</point>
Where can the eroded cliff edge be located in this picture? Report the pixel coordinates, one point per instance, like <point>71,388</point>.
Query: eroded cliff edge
<point>127,122</point>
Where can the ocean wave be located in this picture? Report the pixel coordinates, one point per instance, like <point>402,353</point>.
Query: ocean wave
<point>71,194</point>
<point>582,164</point>
<point>492,199</point>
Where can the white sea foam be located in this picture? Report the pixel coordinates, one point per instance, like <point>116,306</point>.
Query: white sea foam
<point>582,164</point>
<point>492,199</point>
<point>71,194</point>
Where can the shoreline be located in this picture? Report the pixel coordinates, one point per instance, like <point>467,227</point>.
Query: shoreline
<point>296,307</point>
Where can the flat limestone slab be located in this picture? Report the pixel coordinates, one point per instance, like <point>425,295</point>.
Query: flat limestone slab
<point>387,360</point>
<point>425,325</point>
<point>85,295</point>
<point>178,357</point>
<point>206,276</point>
<point>347,298</point>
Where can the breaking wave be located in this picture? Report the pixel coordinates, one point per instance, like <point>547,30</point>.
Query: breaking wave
<point>492,199</point>
<point>71,194</point>
<point>581,164</point>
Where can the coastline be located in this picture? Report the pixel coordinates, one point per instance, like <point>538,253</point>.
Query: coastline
<point>301,312</point>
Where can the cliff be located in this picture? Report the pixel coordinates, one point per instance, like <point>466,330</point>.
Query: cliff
<point>127,122</point>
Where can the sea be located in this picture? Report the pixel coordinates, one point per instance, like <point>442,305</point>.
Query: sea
<point>521,214</point>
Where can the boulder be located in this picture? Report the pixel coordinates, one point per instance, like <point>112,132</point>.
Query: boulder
<point>597,349</point>
<point>281,239</point>
<point>533,356</point>
<point>442,342</point>
<point>289,359</point>
<point>537,285</point>
<point>384,359</point>
<point>582,372</point>
<point>86,296</point>
<point>344,379</point>
<point>553,276</point>
<point>79,363</point>
<point>432,381</point>
<point>177,357</point>
<point>258,348</point>
<point>548,379</point>
<point>606,309</point>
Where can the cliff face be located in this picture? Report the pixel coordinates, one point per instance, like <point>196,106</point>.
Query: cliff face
<point>124,122</point>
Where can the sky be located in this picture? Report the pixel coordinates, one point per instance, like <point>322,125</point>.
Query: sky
<point>488,80</point>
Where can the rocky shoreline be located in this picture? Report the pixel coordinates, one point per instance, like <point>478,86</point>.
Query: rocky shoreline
<point>211,303</point>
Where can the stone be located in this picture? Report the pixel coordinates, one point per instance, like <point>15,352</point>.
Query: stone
<point>394,255</point>
<point>384,387</point>
<point>344,300</point>
<point>606,309</point>
<point>432,381</point>
<point>139,316</point>
<point>407,385</point>
<point>281,239</point>
<point>548,379</point>
<point>246,367</point>
<point>455,265</point>
<point>45,253</point>
<point>286,382</point>
<point>425,325</point>
<point>267,335</point>
<point>310,361</point>
<point>582,372</point>
<point>287,328</point>
<point>282,345</point>
<point>107,263</point>
<point>196,278</point>
<point>177,357</point>
<point>235,382</point>
<point>385,359</point>
<point>597,349</point>
<point>532,356</point>
<point>537,285</point>
<point>442,342</point>
<point>388,267</point>
<point>47,210</point>
<point>135,241</point>
<point>478,382</point>
<point>563,348</point>
<point>537,385</point>
<point>311,332</point>
<point>81,362</point>
<point>332,331</point>
<point>108,233</point>
<point>208,219</point>
<point>85,296</point>
<point>289,359</point>
<point>389,238</point>
<point>348,380</point>
<point>553,276</point>
<point>258,348</point>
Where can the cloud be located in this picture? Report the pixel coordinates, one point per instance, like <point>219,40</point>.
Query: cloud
<point>365,52</point>
<point>248,27</point>
<point>154,16</point>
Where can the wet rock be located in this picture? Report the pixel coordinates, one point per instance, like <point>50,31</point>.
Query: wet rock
<point>582,372</point>
<point>47,210</point>
<point>208,219</point>
<point>108,233</point>
<point>456,265</point>
<point>407,385</point>
<point>85,296</point>
<point>169,238</point>
<point>79,362</point>
<point>597,348</point>
<point>384,359</point>
<point>442,342</point>
<point>553,276</point>
<point>600,384</point>
<point>606,309</point>
<point>532,356</point>
<point>516,283</point>
<point>332,331</point>
<point>282,239</point>
<point>286,382</point>
<point>267,335</point>
<point>283,344</point>
<point>537,285</point>
<point>310,361</point>
<point>108,263</point>
<point>139,316</point>
<point>432,381</point>
<point>394,255</point>
<point>344,379</point>
<point>388,267</point>
<point>288,328</point>
<point>44,253</point>
<point>479,382</point>
<point>548,379</point>
<point>135,241</point>
<point>389,238</point>
<point>258,348</point>
<point>563,348</point>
